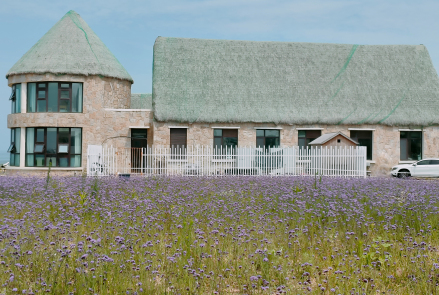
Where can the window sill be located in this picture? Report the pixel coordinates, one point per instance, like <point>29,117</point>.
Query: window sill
<point>370,162</point>
<point>407,162</point>
<point>45,168</point>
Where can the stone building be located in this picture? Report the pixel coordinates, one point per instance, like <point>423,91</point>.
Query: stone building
<point>69,91</point>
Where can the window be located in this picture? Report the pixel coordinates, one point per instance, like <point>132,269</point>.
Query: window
<point>63,97</point>
<point>434,162</point>
<point>15,99</point>
<point>139,138</point>
<point>306,136</point>
<point>14,147</point>
<point>225,141</point>
<point>410,145</point>
<point>268,138</point>
<point>364,138</point>
<point>60,147</point>
<point>178,142</point>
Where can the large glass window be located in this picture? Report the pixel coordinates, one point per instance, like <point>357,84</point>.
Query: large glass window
<point>59,147</point>
<point>306,136</point>
<point>14,147</point>
<point>15,99</point>
<point>411,145</point>
<point>63,97</point>
<point>268,138</point>
<point>364,138</point>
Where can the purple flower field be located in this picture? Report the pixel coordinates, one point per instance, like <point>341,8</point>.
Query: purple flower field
<point>218,236</point>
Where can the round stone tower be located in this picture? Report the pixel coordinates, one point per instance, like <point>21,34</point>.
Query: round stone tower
<point>62,89</point>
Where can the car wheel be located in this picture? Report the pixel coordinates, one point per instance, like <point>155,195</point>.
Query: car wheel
<point>403,174</point>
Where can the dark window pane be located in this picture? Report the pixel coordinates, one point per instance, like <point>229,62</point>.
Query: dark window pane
<point>178,137</point>
<point>415,134</point>
<point>271,142</point>
<point>39,160</point>
<point>425,162</point>
<point>217,132</point>
<point>354,135</point>
<point>65,94</point>
<point>302,142</point>
<point>367,142</point>
<point>302,133</point>
<point>40,135</point>
<point>415,149</point>
<point>63,162</point>
<point>41,106</point>
<point>39,148</point>
<point>313,133</point>
<point>51,160</point>
<point>31,99</point>
<point>64,106</point>
<point>65,85</point>
<point>403,148</point>
<point>217,143</point>
<point>403,134</point>
<point>11,159</point>
<point>260,142</point>
<point>12,97</point>
<point>76,143</point>
<point>77,97</point>
<point>260,133</point>
<point>272,133</point>
<point>75,161</point>
<point>51,141</point>
<point>308,140</point>
<point>53,97</point>
<point>41,94</point>
<point>230,141</point>
<point>30,160</point>
<point>63,135</point>
<point>434,162</point>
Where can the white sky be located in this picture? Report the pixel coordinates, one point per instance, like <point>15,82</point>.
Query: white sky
<point>129,27</point>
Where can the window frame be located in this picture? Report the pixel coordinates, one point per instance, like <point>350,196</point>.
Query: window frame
<point>357,138</point>
<point>59,99</point>
<point>57,155</point>
<point>409,146</point>
<point>224,150</point>
<point>264,138</point>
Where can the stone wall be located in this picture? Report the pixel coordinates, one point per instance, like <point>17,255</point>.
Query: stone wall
<point>385,146</point>
<point>105,119</point>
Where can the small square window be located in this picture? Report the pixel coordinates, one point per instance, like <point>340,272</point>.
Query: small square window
<point>217,132</point>
<point>63,148</point>
<point>260,133</point>
<point>11,148</point>
<point>39,148</point>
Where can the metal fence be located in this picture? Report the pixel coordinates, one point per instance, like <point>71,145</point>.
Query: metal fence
<point>208,161</point>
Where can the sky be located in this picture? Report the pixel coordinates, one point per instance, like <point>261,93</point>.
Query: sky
<point>130,27</point>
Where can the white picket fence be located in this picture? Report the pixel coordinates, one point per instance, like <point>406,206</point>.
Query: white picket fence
<point>208,161</point>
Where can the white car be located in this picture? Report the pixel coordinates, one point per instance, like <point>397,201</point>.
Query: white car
<point>423,168</point>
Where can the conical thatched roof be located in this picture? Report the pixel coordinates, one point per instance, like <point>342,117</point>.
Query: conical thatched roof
<point>70,47</point>
<point>198,80</point>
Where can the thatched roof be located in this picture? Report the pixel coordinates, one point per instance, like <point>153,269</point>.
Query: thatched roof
<point>198,80</point>
<point>141,101</point>
<point>70,47</point>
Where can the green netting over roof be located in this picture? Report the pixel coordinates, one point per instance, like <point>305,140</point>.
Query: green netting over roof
<point>70,47</point>
<point>198,80</point>
<point>141,101</point>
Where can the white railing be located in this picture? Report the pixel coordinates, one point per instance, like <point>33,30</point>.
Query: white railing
<point>208,161</point>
